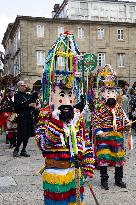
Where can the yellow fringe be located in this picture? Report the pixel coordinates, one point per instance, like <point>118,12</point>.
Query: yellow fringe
<point>58,178</point>
<point>52,135</point>
<point>106,151</point>
<point>113,133</point>
<point>72,203</point>
<point>91,161</point>
<point>56,127</point>
<point>59,150</point>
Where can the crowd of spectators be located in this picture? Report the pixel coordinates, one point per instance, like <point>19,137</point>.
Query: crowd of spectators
<point>18,116</point>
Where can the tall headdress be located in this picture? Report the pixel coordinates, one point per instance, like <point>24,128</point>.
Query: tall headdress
<point>61,65</point>
<point>107,76</point>
<point>106,79</point>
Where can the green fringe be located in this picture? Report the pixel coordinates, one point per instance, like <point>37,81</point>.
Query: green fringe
<point>110,158</point>
<point>57,188</point>
<point>111,138</point>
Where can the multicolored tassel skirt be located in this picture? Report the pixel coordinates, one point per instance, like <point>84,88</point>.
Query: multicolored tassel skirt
<point>60,187</point>
<point>110,149</point>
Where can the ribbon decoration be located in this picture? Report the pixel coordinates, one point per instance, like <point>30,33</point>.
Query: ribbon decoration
<point>66,48</point>
<point>114,120</point>
<point>74,139</point>
<point>130,140</point>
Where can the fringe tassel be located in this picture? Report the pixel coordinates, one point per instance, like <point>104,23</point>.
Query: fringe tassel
<point>58,178</point>
<point>57,188</point>
<point>70,201</point>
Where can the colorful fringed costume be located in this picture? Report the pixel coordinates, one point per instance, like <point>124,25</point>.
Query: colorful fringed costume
<point>55,139</point>
<point>110,148</point>
<point>60,134</point>
<point>109,120</point>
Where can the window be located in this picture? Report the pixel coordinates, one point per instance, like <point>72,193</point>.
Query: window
<point>120,59</point>
<point>60,61</point>
<point>120,34</point>
<point>132,9</point>
<point>83,10</point>
<point>122,11</point>
<point>40,58</point>
<point>1,66</point>
<point>16,66</point>
<point>18,34</point>
<point>60,30</point>
<point>84,5</point>
<point>40,31</point>
<point>95,7</point>
<point>18,39</point>
<point>100,33</point>
<point>101,59</point>
<point>14,43</point>
<point>80,33</point>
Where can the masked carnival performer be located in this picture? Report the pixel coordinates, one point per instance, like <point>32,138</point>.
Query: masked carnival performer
<point>108,121</point>
<point>61,136</point>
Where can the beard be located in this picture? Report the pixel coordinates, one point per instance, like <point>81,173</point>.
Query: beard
<point>111,102</point>
<point>66,113</point>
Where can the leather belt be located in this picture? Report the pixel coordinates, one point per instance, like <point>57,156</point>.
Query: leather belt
<point>51,163</point>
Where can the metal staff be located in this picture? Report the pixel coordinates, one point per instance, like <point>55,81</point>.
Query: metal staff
<point>89,185</point>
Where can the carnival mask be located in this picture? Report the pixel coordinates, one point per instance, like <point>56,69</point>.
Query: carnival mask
<point>109,93</point>
<point>62,97</point>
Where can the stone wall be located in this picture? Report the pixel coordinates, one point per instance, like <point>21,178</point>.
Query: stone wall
<point>29,44</point>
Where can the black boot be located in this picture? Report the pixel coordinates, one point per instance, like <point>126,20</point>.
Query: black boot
<point>14,139</point>
<point>11,146</point>
<point>11,143</point>
<point>104,177</point>
<point>24,154</point>
<point>15,152</point>
<point>7,140</point>
<point>119,177</point>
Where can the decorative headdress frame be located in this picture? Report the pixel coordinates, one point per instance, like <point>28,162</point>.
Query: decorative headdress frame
<point>65,50</point>
<point>107,77</point>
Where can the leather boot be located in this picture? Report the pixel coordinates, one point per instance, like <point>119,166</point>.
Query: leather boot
<point>119,177</point>
<point>15,153</point>
<point>24,154</point>
<point>7,140</point>
<point>104,177</point>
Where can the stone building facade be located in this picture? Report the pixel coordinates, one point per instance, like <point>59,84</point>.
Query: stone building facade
<point>28,40</point>
<point>97,10</point>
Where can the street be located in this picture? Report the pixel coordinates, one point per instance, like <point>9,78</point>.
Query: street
<point>21,184</point>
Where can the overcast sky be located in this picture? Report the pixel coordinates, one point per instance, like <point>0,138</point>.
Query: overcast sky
<point>9,9</point>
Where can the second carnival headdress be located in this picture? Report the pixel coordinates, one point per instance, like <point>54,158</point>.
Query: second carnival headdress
<point>107,77</point>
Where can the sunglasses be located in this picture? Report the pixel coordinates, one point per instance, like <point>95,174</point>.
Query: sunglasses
<point>23,85</point>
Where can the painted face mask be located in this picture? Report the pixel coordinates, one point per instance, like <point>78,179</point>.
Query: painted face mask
<point>63,102</point>
<point>110,97</point>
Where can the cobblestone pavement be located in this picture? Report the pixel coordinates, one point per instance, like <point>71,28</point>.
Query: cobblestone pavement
<point>20,183</point>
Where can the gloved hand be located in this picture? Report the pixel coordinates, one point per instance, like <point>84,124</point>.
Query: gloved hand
<point>100,133</point>
<point>86,180</point>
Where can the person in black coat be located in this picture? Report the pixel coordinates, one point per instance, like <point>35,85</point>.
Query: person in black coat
<point>24,105</point>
